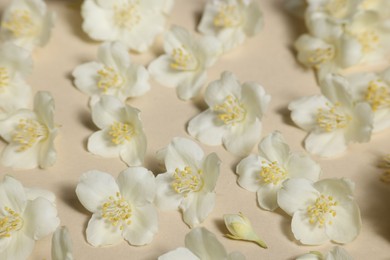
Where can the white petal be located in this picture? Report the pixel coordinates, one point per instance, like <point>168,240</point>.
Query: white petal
<point>248,173</point>
<point>211,165</point>
<point>12,194</point>
<point>99,143</point>
<point>204,244</point>
<point>206,128</point>
<point>40,218</point>
<point>94,188</point>
<point>350,51</point>
<point>337,89</point>
<point>182,152</point>
<point>305,232</point>
<point>296,194</point>
<point>254,17</point>
<point>19,248</point>
<point>179,254</point>
<point>302,166</point>
<point>12,157</point>
<point>61,245</point>
<point>133,152</point>
<point>241,139</point>
<point>137,81</point>
<point>166,198</point>
<point>267,196</point>
<point>106,111</point>
<point>338,253</point>
<point>340,189</point>
<point>8,125</point>
<point>255,99</point>
<point>101,233</point>
<point>114,54</point>
<point>196,207</point>
<point>34,193</point>
<point>86,78</point>
<point>361,127</point>
<point>236,256</point>
<point>326,144</point>
<point>16,58</point>
<point>137,185</point>
<point>274,148</point>
<point>143,227</point>
<point>381,120</point>
<point>16,95</point>
<point>44,108</point>
<point>47,152</point>
<point>192,87</point>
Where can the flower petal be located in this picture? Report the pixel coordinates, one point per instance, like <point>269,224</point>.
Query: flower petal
<point>179,254</point>
<point>305,232</point>
<point>107,111</point>
<point>44,108</point>
<point>61,245</point>
<point>267,197</point>
<point>13,157</point>
<point>99,143</point>
<point>166,198</point>
<point>143,227</point>
<point>302,166</point>
<point>248,173</point>
<point>34,193</point>
<point>94,188</point>
<point>8,125</point>
<point>196,207</point>
<point>206,128</point>
<point>204,244</point>
<point>274,148</point>
<point>191,87</point>
<point>210,168</point>
<point>133,152</point>
<point>12,194</point>
<point>114,54</point>
<point>326,144</point>
<point>86,78</point>
<point>255,99</point>
<point>19,248</point>
<point>100,233</point>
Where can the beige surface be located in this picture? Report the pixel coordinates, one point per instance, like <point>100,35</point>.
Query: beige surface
<point>266,59</point>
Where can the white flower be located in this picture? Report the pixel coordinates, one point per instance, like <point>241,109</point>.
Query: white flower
<point>265,173</point>
<point>26,215</point>
<point>27,23</point>
<point>189,182</point>
<point>374,89</point>
<point>240,228</point>
<point>134,23</point>
<point>337,253</point>
<point>30,135</point>
<point>231,21</point>
<point>15,65</point>
<point>333,119</point>
<point>321,211</point>
<point>121,131</point>
<point>381,7</point>
<point>185,62</point>
<point>61,245</point>
<point>114,74</point>
<point>234,115</point>
<point>340,11</point>
<point>122,209</point>
<point>201,244</point>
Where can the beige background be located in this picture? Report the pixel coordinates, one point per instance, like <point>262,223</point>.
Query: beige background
<point>267,59</point>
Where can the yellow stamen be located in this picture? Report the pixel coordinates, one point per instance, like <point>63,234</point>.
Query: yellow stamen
<point>109,79</point>
<point>378,95</point>
<point>272,173</point>
<point>20,24</point>
<point>4,78</point>
<point>369,39</point>
<point>29,132</point>
<point>228,16</point>
<point>121,132</point>
<point>320,56</point>
<point>10,222</point>
<point>332,118</point>
<point>117,211</point>
<point>183,59</point>
<point>321,210</point>
<point>187,180</point>
<point>127,16</point>
<point>230,111</point>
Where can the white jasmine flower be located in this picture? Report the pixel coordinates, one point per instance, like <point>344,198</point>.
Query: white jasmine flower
<point>337,253</point>
<point>61,245</point>
<point>114,74</point>
<point>374,89</point>
<point>121,131</point>
<point>339,10</point>
<point>189,180</point>
<point>134,23</point>
<point>333,119</point>
<point>240,228</point>
<point>321,211</point>
<point>15,65</point>
<point>185,62</point>
<point>234,115</point>
<point>30,135</point>
<point>265,173</point>
<point>201,244</point>
<point>231,21</point>
<point>122,209</point>
<point>27,23</point>
<point>24,219</point>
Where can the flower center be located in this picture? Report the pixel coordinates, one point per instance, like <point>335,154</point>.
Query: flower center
<point>117,211</point>
<point>127,16</point>
<point>4,78</point>
<point>321,209</point>
<point>20,24</point>
<point>332,118</point>
<point>230,111</point>
<point>29,132</point>
<point>183,59</point>
<point>109,79</point>
<point>369,39</point>
<point>9,223</point>
<point>187,180</point>
<point>227,16</point>
<point>378,95</point>
<point>120,132</point>
<point>337,8</point>
<point>321,55</point>
<point>272,173</point>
